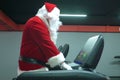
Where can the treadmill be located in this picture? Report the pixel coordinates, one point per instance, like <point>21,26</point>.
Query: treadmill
<point>83,66</point>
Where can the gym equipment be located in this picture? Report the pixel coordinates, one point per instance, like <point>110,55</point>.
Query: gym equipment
<point>64,49</point>
<point>86,61</point>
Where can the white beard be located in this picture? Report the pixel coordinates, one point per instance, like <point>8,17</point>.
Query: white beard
<point>54,26</point>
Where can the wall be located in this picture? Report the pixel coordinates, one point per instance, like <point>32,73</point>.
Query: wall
<point>10,44</point>
<point>9,51</point>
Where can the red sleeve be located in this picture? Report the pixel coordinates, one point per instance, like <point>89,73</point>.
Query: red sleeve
<point>40,35</point>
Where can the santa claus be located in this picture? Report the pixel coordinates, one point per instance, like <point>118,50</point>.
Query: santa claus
<point>39,39</point>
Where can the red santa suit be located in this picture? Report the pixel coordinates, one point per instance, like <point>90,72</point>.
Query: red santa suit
<point>37,42</point>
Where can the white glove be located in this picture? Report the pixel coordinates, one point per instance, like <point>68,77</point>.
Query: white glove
<point>65,66</point>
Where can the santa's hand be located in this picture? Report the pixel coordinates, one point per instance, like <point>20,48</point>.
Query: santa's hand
<point>65,66</point>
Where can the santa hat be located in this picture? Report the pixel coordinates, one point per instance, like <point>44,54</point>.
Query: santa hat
<point>49,10</point>
<point>49,6</point>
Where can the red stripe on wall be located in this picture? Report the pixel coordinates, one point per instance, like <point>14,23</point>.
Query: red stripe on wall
<point>6,20</point>
<point>75,28</point>
<point>78,28</point>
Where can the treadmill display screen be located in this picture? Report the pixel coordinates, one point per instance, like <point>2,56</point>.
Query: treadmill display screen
<point>86,51</point>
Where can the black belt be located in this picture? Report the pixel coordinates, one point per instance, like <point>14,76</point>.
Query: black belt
<point>35,61</point>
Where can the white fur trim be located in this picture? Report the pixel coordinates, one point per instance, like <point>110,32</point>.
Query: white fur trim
<point>42,11</point>
<point>56,60</point>
<point>41,69</point>
<point>54,14</point>
<point>43,19</point>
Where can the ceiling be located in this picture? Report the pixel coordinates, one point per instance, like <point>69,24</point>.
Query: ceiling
<point>99,12</point>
